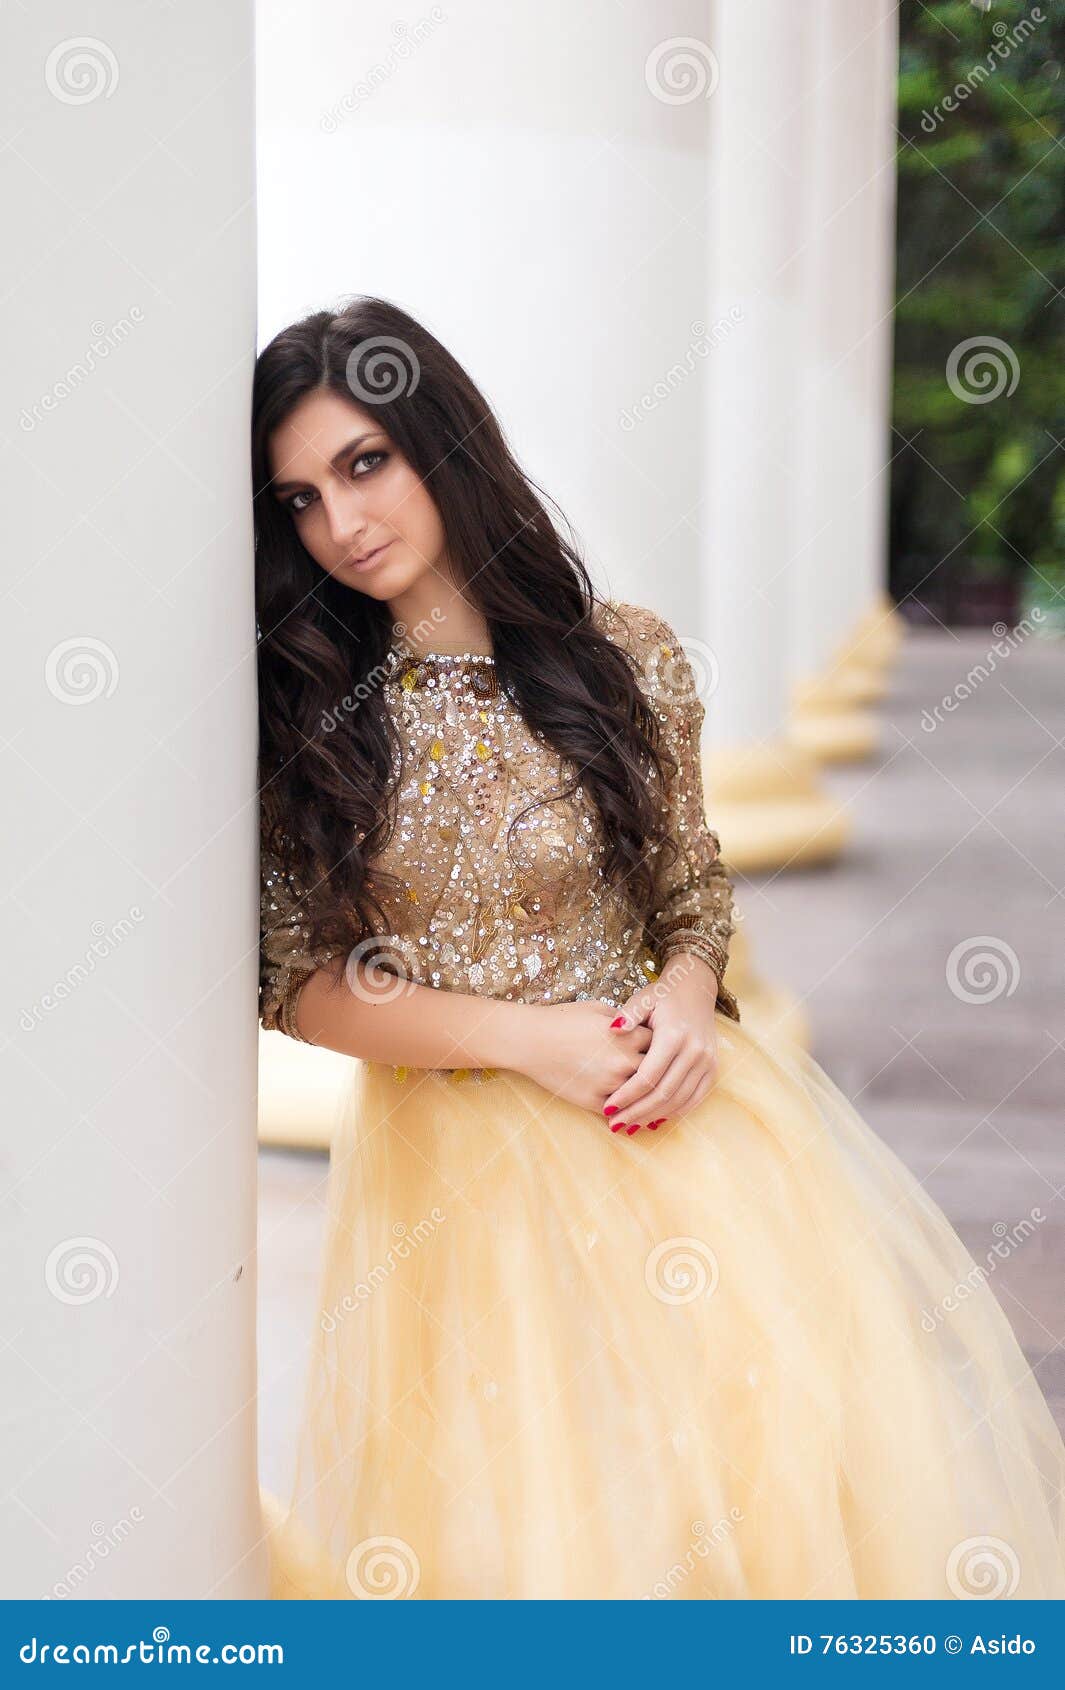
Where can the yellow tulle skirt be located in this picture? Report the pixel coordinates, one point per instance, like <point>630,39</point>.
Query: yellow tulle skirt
<point>742,1356</point>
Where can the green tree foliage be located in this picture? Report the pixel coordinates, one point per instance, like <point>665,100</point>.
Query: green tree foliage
<point>978,482</point>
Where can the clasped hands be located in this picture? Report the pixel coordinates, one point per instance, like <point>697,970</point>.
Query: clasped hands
<point>653,1058</point>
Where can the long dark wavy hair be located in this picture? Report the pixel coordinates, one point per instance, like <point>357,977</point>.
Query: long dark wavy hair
<point>324,773</point>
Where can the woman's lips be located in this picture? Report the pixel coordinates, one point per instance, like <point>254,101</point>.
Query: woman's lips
<point>368,562</point>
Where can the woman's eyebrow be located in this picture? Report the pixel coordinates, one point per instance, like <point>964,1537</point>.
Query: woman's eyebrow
<point>283,486</point>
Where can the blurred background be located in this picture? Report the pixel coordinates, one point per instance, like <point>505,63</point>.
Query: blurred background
<point>768,298</point>
<point>977,477</point>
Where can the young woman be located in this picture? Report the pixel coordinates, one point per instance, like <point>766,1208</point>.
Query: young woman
<point>618,1298</point>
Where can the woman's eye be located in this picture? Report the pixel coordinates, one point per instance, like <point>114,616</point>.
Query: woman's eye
<point>374,459</point>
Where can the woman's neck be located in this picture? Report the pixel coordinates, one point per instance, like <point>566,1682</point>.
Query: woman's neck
<point>447,631</point>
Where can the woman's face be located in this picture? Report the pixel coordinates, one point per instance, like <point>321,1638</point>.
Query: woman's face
<point>349,492</point>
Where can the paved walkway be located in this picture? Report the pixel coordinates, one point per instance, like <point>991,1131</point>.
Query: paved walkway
<point>957,851</point>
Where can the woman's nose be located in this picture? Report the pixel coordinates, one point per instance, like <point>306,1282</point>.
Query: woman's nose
<point>345,520</point>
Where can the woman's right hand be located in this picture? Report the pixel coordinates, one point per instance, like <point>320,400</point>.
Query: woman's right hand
<point>569,1049</point>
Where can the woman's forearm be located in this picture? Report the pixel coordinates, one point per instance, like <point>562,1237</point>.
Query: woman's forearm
<point>393,1020</point>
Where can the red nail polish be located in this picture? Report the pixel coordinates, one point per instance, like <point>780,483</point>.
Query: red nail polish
<point>619,1021</point>
<point>616,1126</point>
<point>611,1109</point>
<point>634,1128</point>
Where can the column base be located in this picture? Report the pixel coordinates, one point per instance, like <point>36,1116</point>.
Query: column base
<point>302,1089</point>
<point>828,726</point>
<point>876,640</point>
<point>768,809</point>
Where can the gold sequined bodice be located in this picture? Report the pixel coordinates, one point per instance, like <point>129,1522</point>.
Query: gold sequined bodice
<point>497,847</point>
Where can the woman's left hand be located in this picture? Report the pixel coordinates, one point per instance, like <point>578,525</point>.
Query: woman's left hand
<point>680,1064</point>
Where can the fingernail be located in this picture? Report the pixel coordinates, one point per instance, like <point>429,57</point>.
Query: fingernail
<point>634,1128</point>
<point>611,1108</point>
<point>616,1126</point>
<point>619,1021</point>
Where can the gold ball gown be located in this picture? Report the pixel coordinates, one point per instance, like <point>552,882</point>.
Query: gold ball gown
<point>552,1361</point>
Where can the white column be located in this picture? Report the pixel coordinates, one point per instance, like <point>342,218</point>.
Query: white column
<point>128,1324</point>
<point>847,277</point>
<point>878,345</point>
<point>529,181</point>
<point>756,125</point>
<point>765,799</point>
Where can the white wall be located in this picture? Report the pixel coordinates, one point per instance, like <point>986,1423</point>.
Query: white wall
<point>511,179</point>
<point>127,1331</point>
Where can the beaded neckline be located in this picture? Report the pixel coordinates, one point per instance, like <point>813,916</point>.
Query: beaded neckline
<point>410,656</point>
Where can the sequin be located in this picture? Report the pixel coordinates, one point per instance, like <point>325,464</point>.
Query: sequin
<point>498,847</point>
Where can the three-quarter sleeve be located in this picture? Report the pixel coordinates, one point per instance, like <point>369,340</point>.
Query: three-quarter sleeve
<point>285,959</point>
<point>693,908</point>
